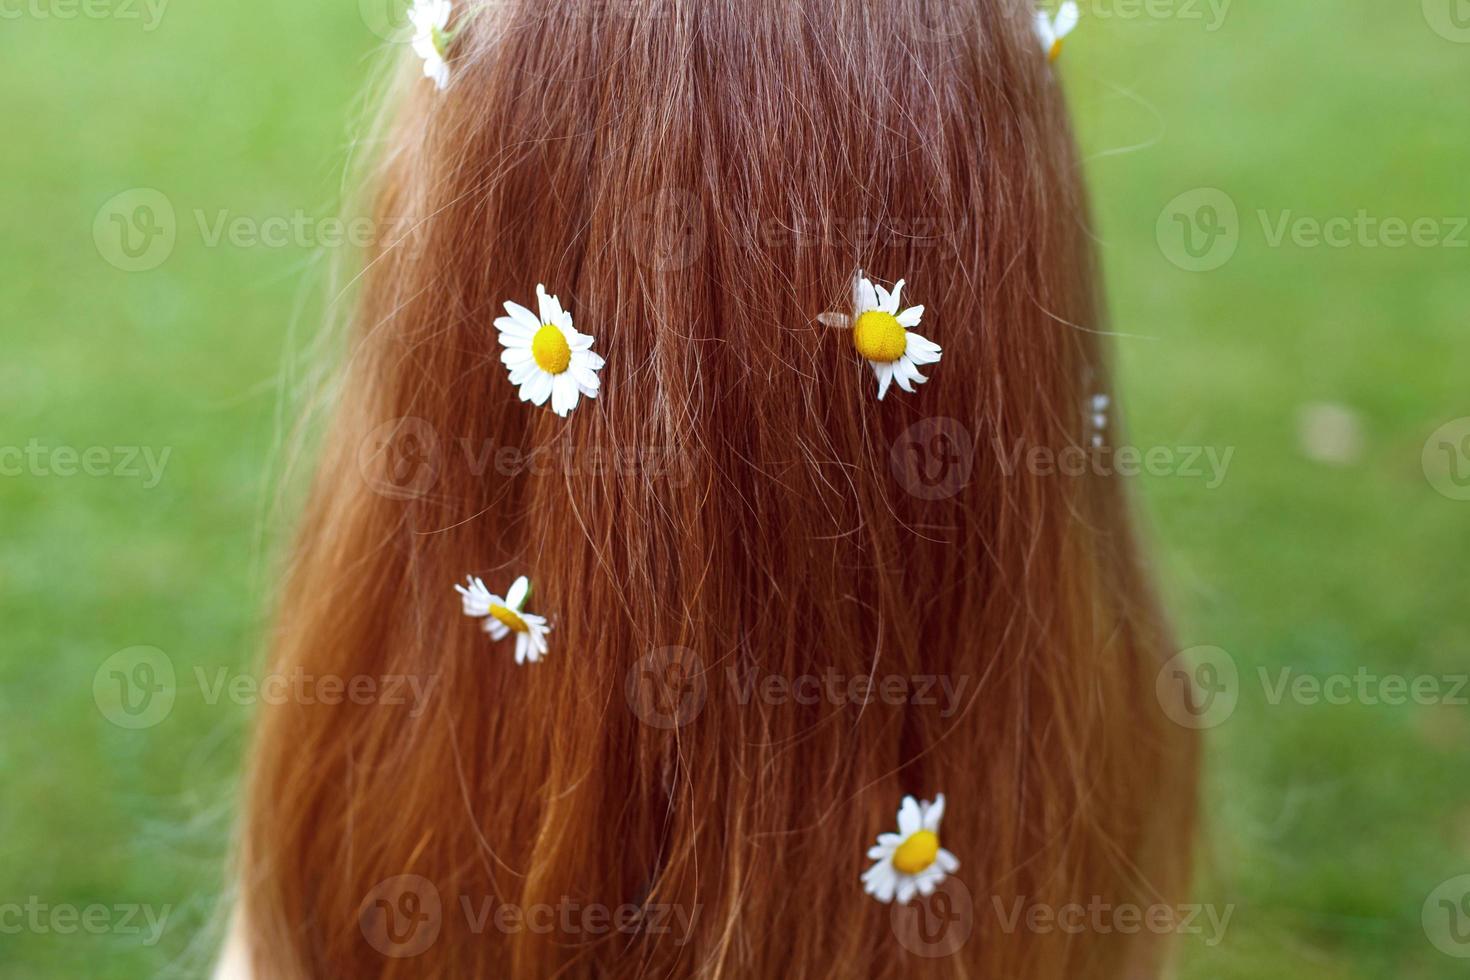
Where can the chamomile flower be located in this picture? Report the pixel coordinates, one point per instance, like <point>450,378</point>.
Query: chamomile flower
<point>431,37</point>
<point>885,336</point>
<point>1052,30</point>
<point>506,616</point>
<point>546,356</point>
<point>910,862</point>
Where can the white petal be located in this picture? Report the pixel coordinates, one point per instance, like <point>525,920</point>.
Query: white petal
<point>587,379</point>
<point>497,630</point>
<point>837,320</point>
<point>921,349</point>
<point>551,311</point>
<point>537,389</point>
<point>911,317</point>
<point>1067,18</point>
<point>512,326</point>
<point>564,394</point>
<point>947,861</point>
<point>904,373</point>
<point>516,597</point>
<point>910,820</point>
<point>867,296</point>
<point>885,377</point>
<point>524,317</point>
<point>522,373</point>
<point>906,889</point>
<point>893,300</point>
<point>476,598</point>
<point>514,357</point>
<point>885,298</point>
<point>523,647</point>
<point>1044,31</point>
<point>933,813</point>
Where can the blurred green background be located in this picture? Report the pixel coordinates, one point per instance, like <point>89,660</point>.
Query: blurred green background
<point>1331,547</point>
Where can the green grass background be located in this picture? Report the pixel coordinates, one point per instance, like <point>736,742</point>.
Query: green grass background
<point>1328,825</point>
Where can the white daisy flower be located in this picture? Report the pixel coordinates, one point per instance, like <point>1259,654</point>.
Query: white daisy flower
<point>431,37</point>
<point>546,356</point>
<point>884,335</point>
<point>911,861</point>
<point>506,616</point>
<point>1052,30</point>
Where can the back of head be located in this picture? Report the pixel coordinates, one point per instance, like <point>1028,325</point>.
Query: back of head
<point>778,604</point>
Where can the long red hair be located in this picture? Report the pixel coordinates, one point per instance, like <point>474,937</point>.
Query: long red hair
<point>734,515</point>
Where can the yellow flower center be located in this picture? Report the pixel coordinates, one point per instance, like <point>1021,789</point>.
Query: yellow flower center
<point>880,337</point>
<point>550,349</point>
<point>509,617</point>
<point>1056,50</point>
<point>917,853</point>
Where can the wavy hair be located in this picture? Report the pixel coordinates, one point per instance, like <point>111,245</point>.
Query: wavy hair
<point>779,605</point>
